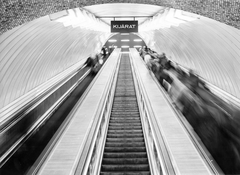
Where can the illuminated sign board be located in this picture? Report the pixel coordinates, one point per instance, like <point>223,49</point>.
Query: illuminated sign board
<point>124,26</point>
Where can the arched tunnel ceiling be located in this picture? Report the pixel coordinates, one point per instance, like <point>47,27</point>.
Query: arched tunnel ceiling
<point>17,12</point>
<point>36,52</point>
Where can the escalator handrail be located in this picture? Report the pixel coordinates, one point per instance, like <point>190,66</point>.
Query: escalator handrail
<point>195,140</point>
<point>86,162</point>
<point>39,122</point>
<point>166,165</point>
<point>87,145</point>
<point>20,110</point>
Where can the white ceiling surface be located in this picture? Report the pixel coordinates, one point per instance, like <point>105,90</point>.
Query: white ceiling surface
<point>209,47</point>
<point>36,52</point>
<point>39,53</point>
<point>79,18</point>
<point>123,10</point>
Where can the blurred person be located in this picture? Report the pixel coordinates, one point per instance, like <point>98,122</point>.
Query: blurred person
<point>104,51</point>
<point>140,51</point>
<point>192,81</point>
<point>148,60</point>
<point>92,60</point>
<point>93,63</point>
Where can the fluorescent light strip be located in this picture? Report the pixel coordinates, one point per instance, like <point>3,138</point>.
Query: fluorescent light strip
<point>124,46</point>
<point>112,40</point>
<point>137,40</point>
<point>125,40</point>
<point>137,46</point>
<point>124,33</point>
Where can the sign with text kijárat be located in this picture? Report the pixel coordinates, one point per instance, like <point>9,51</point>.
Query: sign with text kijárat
<point>124,26</point>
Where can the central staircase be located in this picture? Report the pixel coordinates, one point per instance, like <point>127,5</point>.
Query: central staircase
<point>125,151</point>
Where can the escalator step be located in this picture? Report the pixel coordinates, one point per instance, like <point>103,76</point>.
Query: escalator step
<point>125,118</point>
<point>126,173</point>
<point>125,124</point>
<point>125,135</point>
<point>124,149</point>
<point>122,161</point>
<point>124,115</point>
<point>125,144</point>
<point>122,127</point>
<point>112,131</point>
<point>125,139</point>
<point>144,167</point>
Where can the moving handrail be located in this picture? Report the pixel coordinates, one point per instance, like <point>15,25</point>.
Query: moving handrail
<point>214,119</point>
<point>88,134</point>
<point>195,139</point>
<point>93,149</point>
<point>10,145</point>
<point>157,135</point>
<point>159,158</point>
<point>19,109</point>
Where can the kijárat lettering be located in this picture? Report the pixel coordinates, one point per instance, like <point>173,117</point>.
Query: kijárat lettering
<point>124,26</point>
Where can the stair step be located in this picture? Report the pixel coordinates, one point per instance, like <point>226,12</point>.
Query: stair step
<point>125,135</point>
<point>125,144</point>
<point>123,118</point>
<point>112,131</point>
<point>129,113</point>
<point>124,149</point>
<point>124,127</point>
<point>124,124</point>
<point>125,139</point>
<point>125,121</point>
<point>125,115</point>
<point>125,105</point>
<point>123,161</point>
<point>126,173</point>
<point>144,167</point>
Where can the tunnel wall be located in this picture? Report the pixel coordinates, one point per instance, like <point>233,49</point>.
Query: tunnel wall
<point>37,52</point>
<point>33,53</point>
<point>16,12</point>
<point>207,46</point>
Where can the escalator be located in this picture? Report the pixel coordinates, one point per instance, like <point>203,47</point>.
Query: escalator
<point>125,151</point>
<point>27,153</point>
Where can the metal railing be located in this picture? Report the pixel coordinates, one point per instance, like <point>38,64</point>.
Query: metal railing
<point>90,160</point>
<point>159,159</point>
<point>21,126</point>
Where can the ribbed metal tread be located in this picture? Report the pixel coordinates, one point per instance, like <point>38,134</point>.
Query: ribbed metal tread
<point>125,151</point>
<point>125,173</point>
